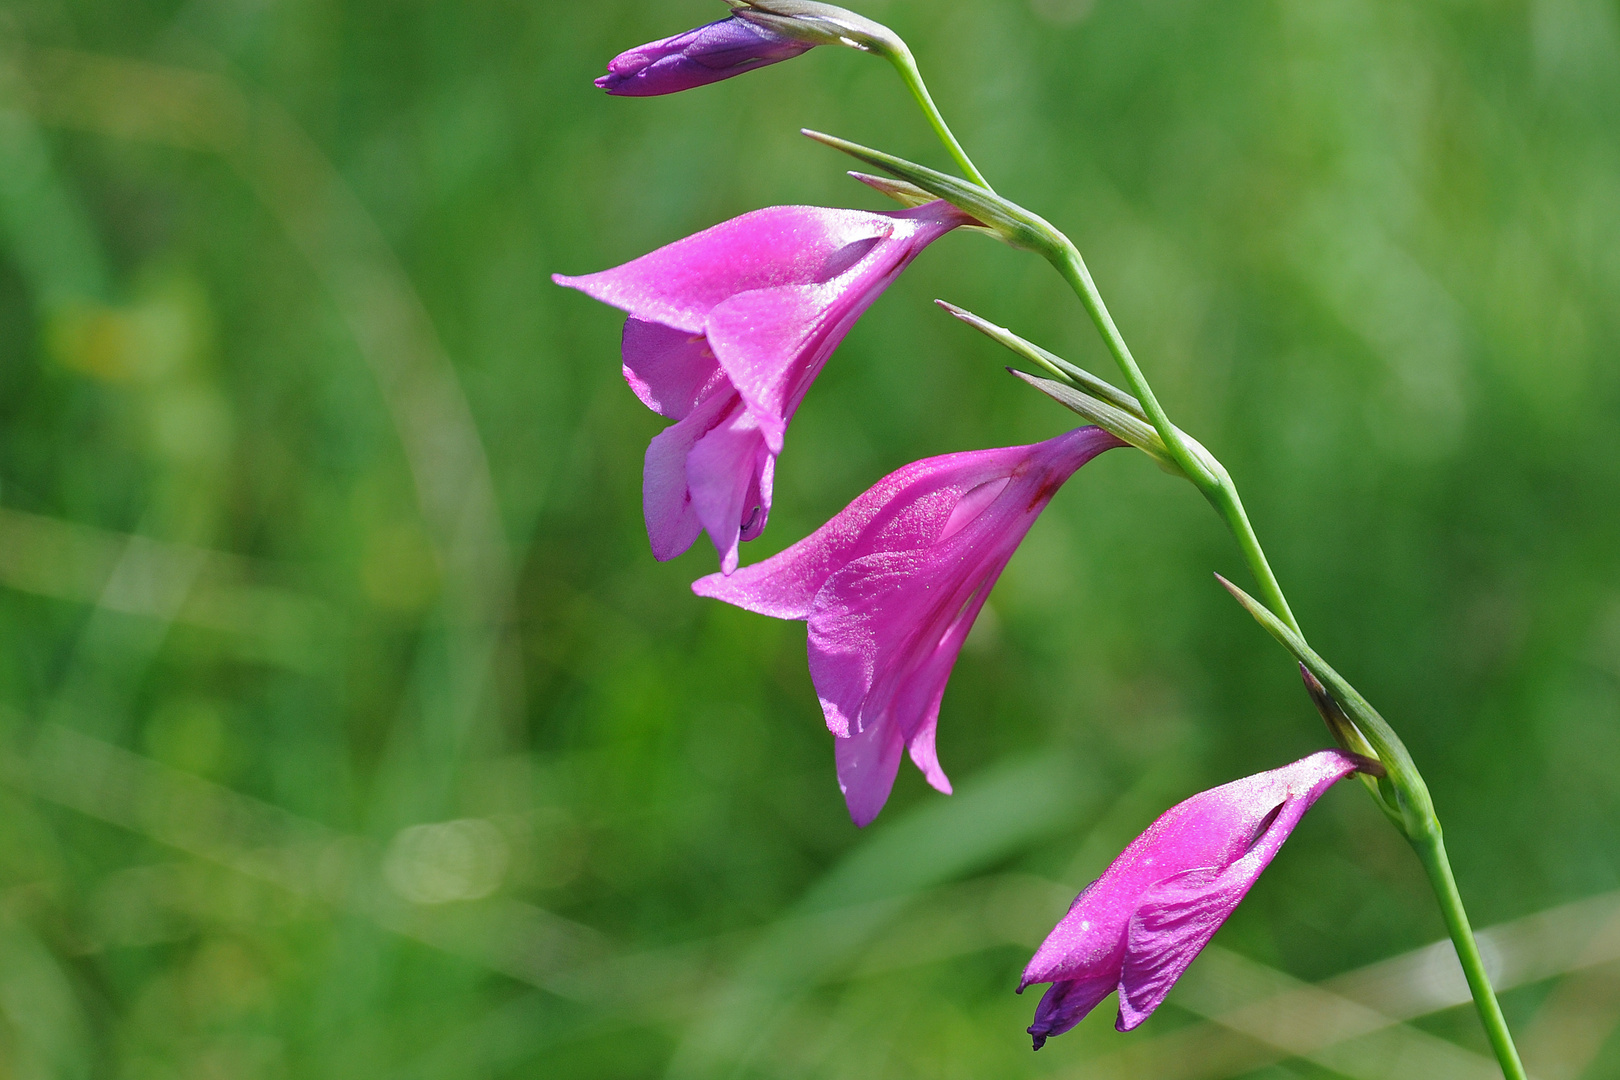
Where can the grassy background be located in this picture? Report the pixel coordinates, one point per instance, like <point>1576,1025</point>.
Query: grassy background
<point>349,729</point>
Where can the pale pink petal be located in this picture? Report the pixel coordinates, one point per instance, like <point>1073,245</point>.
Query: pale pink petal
<point>973,504</point>
<point>672,521</point>
<point>670,370</point>
<point>867,763</point>
<point>680,283</point>
<point>722,471</point>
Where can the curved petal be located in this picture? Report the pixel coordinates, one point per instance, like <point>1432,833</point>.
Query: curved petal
<point>867,764</point>
<point>1173,922</point>
<point>885,633</point>
<point>1177,916</point>
<point>854,614</point>
<point>666,500</point>
<point>670,370</point>
<point>1066,1003</point>
<point>1214,828</point>
<point>723,471</point>
<point>773,342</point>
<point>906,510</point>
<point>680,283</point>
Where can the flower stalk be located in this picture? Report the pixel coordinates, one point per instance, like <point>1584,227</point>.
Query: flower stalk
<point>891,586</point>
<point>1401,792</point>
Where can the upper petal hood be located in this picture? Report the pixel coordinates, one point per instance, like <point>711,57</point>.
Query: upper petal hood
<point>774,342</point>
<point>680,283</point>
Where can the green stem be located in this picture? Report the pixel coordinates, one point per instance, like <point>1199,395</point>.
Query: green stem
<point>1431,851</point>
<point>1062,253</point>
<point>1230,507</point>
<point>1416,813</point>
<point>1407,801</point>
<point>900,56</point>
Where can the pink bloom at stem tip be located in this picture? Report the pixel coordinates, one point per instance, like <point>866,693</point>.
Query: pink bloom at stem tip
<point>890,588</point>
<point>1139,926</point>
<point>707,54</point>
<point>727,330</point>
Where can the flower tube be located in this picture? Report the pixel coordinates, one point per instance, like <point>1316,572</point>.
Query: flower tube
<point>1139,926</point>
<point>728,329</point>
<point>890,588</point>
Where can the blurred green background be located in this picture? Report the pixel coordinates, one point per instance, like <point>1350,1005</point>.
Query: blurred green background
<point>348,728</point>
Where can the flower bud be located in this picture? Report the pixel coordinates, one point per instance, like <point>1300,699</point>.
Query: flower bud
<point>704,55</point>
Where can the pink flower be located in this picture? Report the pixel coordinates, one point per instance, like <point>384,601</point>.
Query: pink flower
<point>727,330</point>
<point>1138,926</point>
<point>705,55</point>
<point>890,588</point>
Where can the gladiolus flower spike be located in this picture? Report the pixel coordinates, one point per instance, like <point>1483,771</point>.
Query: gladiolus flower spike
<point>890,588</point>
<point>1139,926</point>
<point>728,329</point>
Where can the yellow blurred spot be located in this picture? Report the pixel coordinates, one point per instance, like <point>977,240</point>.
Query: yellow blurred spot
<point>398,569</point>
<point>188,734</point>
<point>92,340</point>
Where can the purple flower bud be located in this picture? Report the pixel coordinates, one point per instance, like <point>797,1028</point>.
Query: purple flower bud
<point>890,588</point>
<point>1139,926</point>
<point>705,55</point>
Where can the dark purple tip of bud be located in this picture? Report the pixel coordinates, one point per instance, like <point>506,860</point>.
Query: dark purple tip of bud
<point>1037,1037</point>
<point>705,55</point>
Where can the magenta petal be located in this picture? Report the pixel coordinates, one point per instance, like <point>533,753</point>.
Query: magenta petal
<point>1157,905</point>
<point>923,753</point>
<point>666,502</point>
<point>680,283</point>
<point>766,341</point>
<point>908,509</point>
<point>890,588</point>
<point>670,370</point>
<point>722,472</point>
<point>1067,1003</point>
<point>852,613</point>
<point>868,762</point>
<point>774,342</point>
<point>758,499</point>
<point>1174,920</point>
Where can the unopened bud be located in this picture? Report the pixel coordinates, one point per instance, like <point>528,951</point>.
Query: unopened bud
<point>697,57</point>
